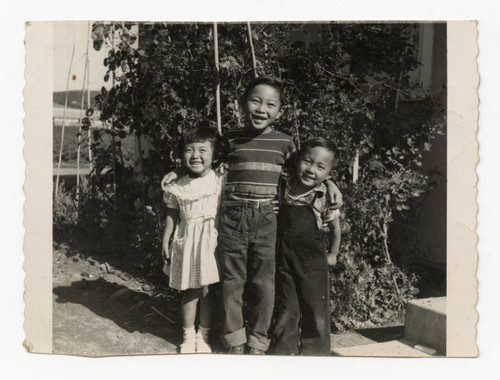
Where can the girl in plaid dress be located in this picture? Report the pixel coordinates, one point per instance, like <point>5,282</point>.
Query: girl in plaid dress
<point>192,204</point>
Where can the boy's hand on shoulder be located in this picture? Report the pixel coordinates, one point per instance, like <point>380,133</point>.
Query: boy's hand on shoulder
<point>222,168</point>
<point>334,196</point>
<point>168,179</point>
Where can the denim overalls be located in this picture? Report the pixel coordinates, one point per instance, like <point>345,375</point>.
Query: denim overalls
<point>302,318</point>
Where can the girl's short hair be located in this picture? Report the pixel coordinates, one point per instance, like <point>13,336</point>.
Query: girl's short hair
<point>319,142</point>
<point>200,134</point>
<point>206,133</point>
<point>274,83</point>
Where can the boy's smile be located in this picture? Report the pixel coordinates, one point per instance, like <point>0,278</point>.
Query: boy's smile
<point>262,107</point>
<point>314,166</point>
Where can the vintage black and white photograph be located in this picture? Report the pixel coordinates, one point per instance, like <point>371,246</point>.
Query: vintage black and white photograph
<point>250,188</point>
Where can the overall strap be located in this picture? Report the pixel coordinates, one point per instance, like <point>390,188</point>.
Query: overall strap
<point>316,193</point>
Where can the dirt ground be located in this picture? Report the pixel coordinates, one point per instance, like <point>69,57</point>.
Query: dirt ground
<point>99,310</point>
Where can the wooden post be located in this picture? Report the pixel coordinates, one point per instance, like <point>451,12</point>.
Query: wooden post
<point>217,88</point>
<point>64,121</point>
<point>296,123</point>
<point>355,168</point>
<point>78,149</point>
<point>88,103</point>
<point>113,144</point>
<point>254,61</point>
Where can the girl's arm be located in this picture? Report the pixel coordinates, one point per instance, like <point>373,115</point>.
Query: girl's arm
<point>335,234</point>
<point>334,195</point>
<point>170,222</point>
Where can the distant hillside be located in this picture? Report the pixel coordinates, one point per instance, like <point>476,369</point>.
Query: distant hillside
<point>74,98</point>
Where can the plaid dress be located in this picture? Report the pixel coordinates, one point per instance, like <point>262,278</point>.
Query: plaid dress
<point>192,251</point>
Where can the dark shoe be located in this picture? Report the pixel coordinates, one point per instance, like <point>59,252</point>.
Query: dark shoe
<point>237,350</point>
<point>256,351</point>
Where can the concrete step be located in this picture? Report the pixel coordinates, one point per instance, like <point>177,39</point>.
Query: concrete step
<point>425,323</point>
<point>393,348</point>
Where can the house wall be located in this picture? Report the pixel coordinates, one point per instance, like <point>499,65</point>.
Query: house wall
<point>431,230</point>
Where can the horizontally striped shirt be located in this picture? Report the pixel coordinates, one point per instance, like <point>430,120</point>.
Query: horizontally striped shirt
<point>256,162</point>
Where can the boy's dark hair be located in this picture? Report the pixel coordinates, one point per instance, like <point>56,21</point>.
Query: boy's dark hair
<point>206,133</point>
<point>322,143</point>
<point>274,83</point>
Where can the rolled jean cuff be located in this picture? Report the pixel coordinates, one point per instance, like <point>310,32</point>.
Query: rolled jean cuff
<point>235,338</point>
<point>259,343</point>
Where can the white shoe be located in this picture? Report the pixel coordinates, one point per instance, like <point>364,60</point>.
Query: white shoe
<point>188,346</point>
<point>202,347</point>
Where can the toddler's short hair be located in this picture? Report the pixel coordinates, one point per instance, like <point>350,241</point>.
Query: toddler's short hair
<point>322,143</point>
<point>274,83</point>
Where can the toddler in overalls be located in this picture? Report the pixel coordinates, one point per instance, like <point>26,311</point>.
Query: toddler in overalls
<point>302,318</point>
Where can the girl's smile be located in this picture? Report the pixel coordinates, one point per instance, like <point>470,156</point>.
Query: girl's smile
<point>262,107</point>
<point>198,158</point>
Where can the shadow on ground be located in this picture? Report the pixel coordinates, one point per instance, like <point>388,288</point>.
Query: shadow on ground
<point>100,250</point>
<point>382,334</point>
<point>130,310</point>
<point>105,318</point>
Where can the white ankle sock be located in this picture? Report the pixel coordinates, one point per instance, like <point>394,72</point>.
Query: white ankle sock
<point>189,332</point>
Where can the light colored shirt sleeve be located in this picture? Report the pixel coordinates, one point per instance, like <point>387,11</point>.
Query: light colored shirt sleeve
<point>170,199</point>
<point>330,214</point>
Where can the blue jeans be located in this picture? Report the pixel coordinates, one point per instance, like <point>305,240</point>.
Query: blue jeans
<point>246,257</point>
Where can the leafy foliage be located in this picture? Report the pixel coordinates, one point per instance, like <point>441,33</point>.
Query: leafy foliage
<point>347,82</point>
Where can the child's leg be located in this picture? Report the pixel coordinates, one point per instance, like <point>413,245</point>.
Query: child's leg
<point>261,272</point>
<point>202,335</point>
<point>232,258</point>
<point>189,303</point>
<point>205,307</point>
<point>315,310</point>
<point>285,331</point>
